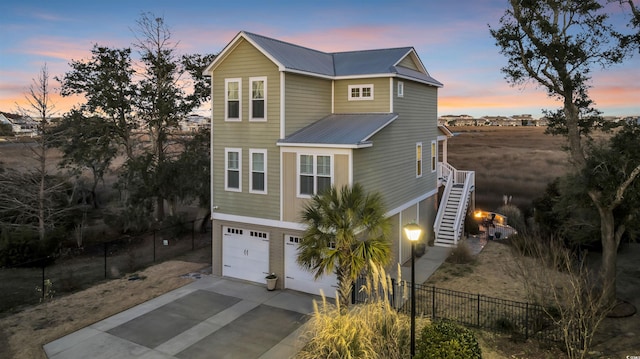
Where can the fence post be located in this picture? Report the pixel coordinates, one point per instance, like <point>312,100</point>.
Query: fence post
<point>353,292</point>
<point>526,321</point>
<point>393,292</point>
<point>154,246</point>
<point>193,234</point>
<point>106,245</point>
<point>478,319</point>
<point>44,264</point>
<point>433,302</point>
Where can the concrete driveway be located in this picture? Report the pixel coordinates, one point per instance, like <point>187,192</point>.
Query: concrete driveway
<point>210,318</point>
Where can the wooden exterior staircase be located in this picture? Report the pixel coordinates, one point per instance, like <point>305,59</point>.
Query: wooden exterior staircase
<point>456,198</point>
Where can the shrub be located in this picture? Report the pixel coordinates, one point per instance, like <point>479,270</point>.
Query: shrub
<point>461,254</point>
<point>371,330</point>
<point>514,216</point>
<point>444,339</point>
<point>471,225</point>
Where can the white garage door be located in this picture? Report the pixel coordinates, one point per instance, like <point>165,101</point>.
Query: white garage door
<point>298,278</point>
<point>245,254</point>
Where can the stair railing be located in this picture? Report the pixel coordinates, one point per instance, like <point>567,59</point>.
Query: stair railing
<point>441,208</point>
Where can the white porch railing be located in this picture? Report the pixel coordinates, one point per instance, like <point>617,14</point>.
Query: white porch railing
<point>451,177</point>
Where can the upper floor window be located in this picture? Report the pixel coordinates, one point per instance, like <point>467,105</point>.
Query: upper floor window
<point>434,156</point>
<point>314,174</point>
<point>360,92</point>
<point>233,169</point>
<point>233,98</point>
<point>419,159</point>
<point>258,171</point>
<point>258,97</point>
<point>400,89</point>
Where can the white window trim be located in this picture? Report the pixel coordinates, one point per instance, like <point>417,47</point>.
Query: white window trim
<point>420,160</point>
<point>226,169</point>
<point>350,98</point>
<point>251,81</point>
<point>400,89</point>
<point>251,153</point>
<point>226,99</point>
<point>315,172</point>
<point>434,156</point>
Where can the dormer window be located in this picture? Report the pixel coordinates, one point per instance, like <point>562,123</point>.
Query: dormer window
<point>360,92</point>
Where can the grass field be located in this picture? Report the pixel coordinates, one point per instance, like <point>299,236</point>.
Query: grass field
<point>512,161</point>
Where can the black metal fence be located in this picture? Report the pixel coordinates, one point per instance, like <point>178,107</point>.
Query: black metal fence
<point>28,283</point>
<point>520,320</point>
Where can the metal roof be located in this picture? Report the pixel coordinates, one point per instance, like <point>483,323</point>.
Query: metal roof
<point>339,64</point>
<point>294,57</point>
<point>351,130</point>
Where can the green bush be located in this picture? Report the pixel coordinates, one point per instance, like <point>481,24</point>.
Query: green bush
<point>447,340</point>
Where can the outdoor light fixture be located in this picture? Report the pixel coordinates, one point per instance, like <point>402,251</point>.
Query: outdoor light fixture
<point>413,233</point>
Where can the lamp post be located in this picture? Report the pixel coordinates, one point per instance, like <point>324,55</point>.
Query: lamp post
<point>413,232</point>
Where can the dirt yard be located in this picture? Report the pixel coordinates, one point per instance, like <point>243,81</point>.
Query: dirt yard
<point>492,275</point>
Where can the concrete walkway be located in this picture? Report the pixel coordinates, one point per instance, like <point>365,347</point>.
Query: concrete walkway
<point>212,317</point>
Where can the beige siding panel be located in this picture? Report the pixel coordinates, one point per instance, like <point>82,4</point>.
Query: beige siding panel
<point>341,170</point>
<point>216,247</point>
<point>380,102</point>
<point>409,63</point>
<point>291,203</point>
<point>389,166</point>
<point>245,62</point>
<point>307,99</point>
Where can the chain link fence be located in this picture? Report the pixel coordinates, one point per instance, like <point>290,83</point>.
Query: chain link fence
<point>31,282</point>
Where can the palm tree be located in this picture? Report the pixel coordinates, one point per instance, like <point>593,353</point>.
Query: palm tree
<point>346,231</point>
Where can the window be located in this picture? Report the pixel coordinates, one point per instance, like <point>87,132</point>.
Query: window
<point>400,89</point>
<point>419,159</point>
<point>314,174</point>
<point>233,169</point>
<point>258,171</point>
<point>360,92</point>
<point>434,156</point>
<point>258,97</point>
<point>233,97</point>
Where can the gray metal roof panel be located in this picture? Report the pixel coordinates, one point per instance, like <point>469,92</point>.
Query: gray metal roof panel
<point>341,129</point>
<point>407,72</point>
<point>295,57</point>
<point>350,63</point>
<point>364,62</point>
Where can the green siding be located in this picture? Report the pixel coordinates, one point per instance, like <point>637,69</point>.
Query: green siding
<point>380,102</point>
<point>389,166</point>
<point>408,63</point>
<point>245,62</point>
<point>307,99</point>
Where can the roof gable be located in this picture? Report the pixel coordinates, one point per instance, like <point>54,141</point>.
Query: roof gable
<point>295,58</point>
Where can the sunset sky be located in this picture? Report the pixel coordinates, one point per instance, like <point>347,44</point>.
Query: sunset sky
<point>451,37</point>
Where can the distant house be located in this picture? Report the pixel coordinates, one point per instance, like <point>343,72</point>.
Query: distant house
<point>20,125</point>
<point>290,121</point>
<point>193,123</point>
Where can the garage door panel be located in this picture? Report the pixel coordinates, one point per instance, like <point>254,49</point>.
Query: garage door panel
<point>298,278</point>
<point>245,254</point>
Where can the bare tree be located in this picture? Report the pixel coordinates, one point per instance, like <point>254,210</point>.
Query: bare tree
<point>558,279</point>
<point>35,199</point>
